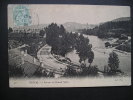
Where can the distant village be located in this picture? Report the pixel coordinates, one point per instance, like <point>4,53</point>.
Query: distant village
<point>28,29</point>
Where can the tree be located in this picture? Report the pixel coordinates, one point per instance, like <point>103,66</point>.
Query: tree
<point>52,35</point>
<point>40,73</point>
<point>65,44</point>
<point>70,72</point>
<point>62,30</point>
<point>51,74</point>
<point>58,39</point>
<point>90,57</point>
<point>84,49</point>
<point>15,71</point>
<point>81,48</point>
<point>10,30</point>
<point>113,62</point>
<point>107,44</point>
<point>116,27</point>
<point>25,37</point>
<point>42,33</point>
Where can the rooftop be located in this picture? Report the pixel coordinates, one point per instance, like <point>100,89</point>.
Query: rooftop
<point>27,62</point>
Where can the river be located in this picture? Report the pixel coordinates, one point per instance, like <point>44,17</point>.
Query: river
<point>101,54</point>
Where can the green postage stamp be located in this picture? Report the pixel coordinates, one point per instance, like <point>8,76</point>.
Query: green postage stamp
<point>21,15</point>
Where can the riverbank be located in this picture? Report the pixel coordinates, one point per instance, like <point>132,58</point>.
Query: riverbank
<point>101,55</point>
<point>58,66</point>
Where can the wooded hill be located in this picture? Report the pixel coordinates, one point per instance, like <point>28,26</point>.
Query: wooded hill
<point>112,28</point>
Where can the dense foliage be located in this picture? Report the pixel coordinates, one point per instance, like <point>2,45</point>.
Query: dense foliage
<point>58,39</point>
<point>62,42</point>
<point>34,40</point>
<point>113,62</point>
<point>110,29</point>
<point>40,72</point>
<point>124,47</point>
<point>10,30</point>
<point>82,71</point>
<point>42,33</point>
<point>15,71</point>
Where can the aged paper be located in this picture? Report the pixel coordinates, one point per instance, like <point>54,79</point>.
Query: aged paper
<point>69,45</point>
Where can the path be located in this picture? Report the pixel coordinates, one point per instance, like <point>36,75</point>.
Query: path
<point>48,60</point>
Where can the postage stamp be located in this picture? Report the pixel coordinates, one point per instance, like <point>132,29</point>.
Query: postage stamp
<point>21,15</point>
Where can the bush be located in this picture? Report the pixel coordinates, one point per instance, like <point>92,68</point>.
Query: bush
<point>125,47</point>
<point>13,44</point>
<point>70,72</point>
<point>40,73</point>
<point>90,71</point>
<point>51,74</point>
<point>113,62</point>
<point>84,71</point>
<point>107,44</point>
<point>15,71</point>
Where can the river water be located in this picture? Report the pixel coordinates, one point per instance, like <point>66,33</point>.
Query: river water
<point>101,54</point>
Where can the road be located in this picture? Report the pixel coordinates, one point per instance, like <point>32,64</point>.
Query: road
<point>49,61</point>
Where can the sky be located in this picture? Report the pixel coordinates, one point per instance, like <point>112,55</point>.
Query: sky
<point>91,14</point>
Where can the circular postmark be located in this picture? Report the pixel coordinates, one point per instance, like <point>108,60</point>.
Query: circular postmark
<point>21,15</point>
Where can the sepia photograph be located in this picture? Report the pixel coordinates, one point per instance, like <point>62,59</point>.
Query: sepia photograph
<point>67,45</point>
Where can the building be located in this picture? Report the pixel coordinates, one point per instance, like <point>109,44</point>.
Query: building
<point>28,29</point>
<point>18,57</point>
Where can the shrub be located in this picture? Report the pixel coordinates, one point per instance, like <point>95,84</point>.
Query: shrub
<point>113,63</point>
<point>70,72</point>
<point>15,71</point>
<point>40,73</point>
<point>90,71</point>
